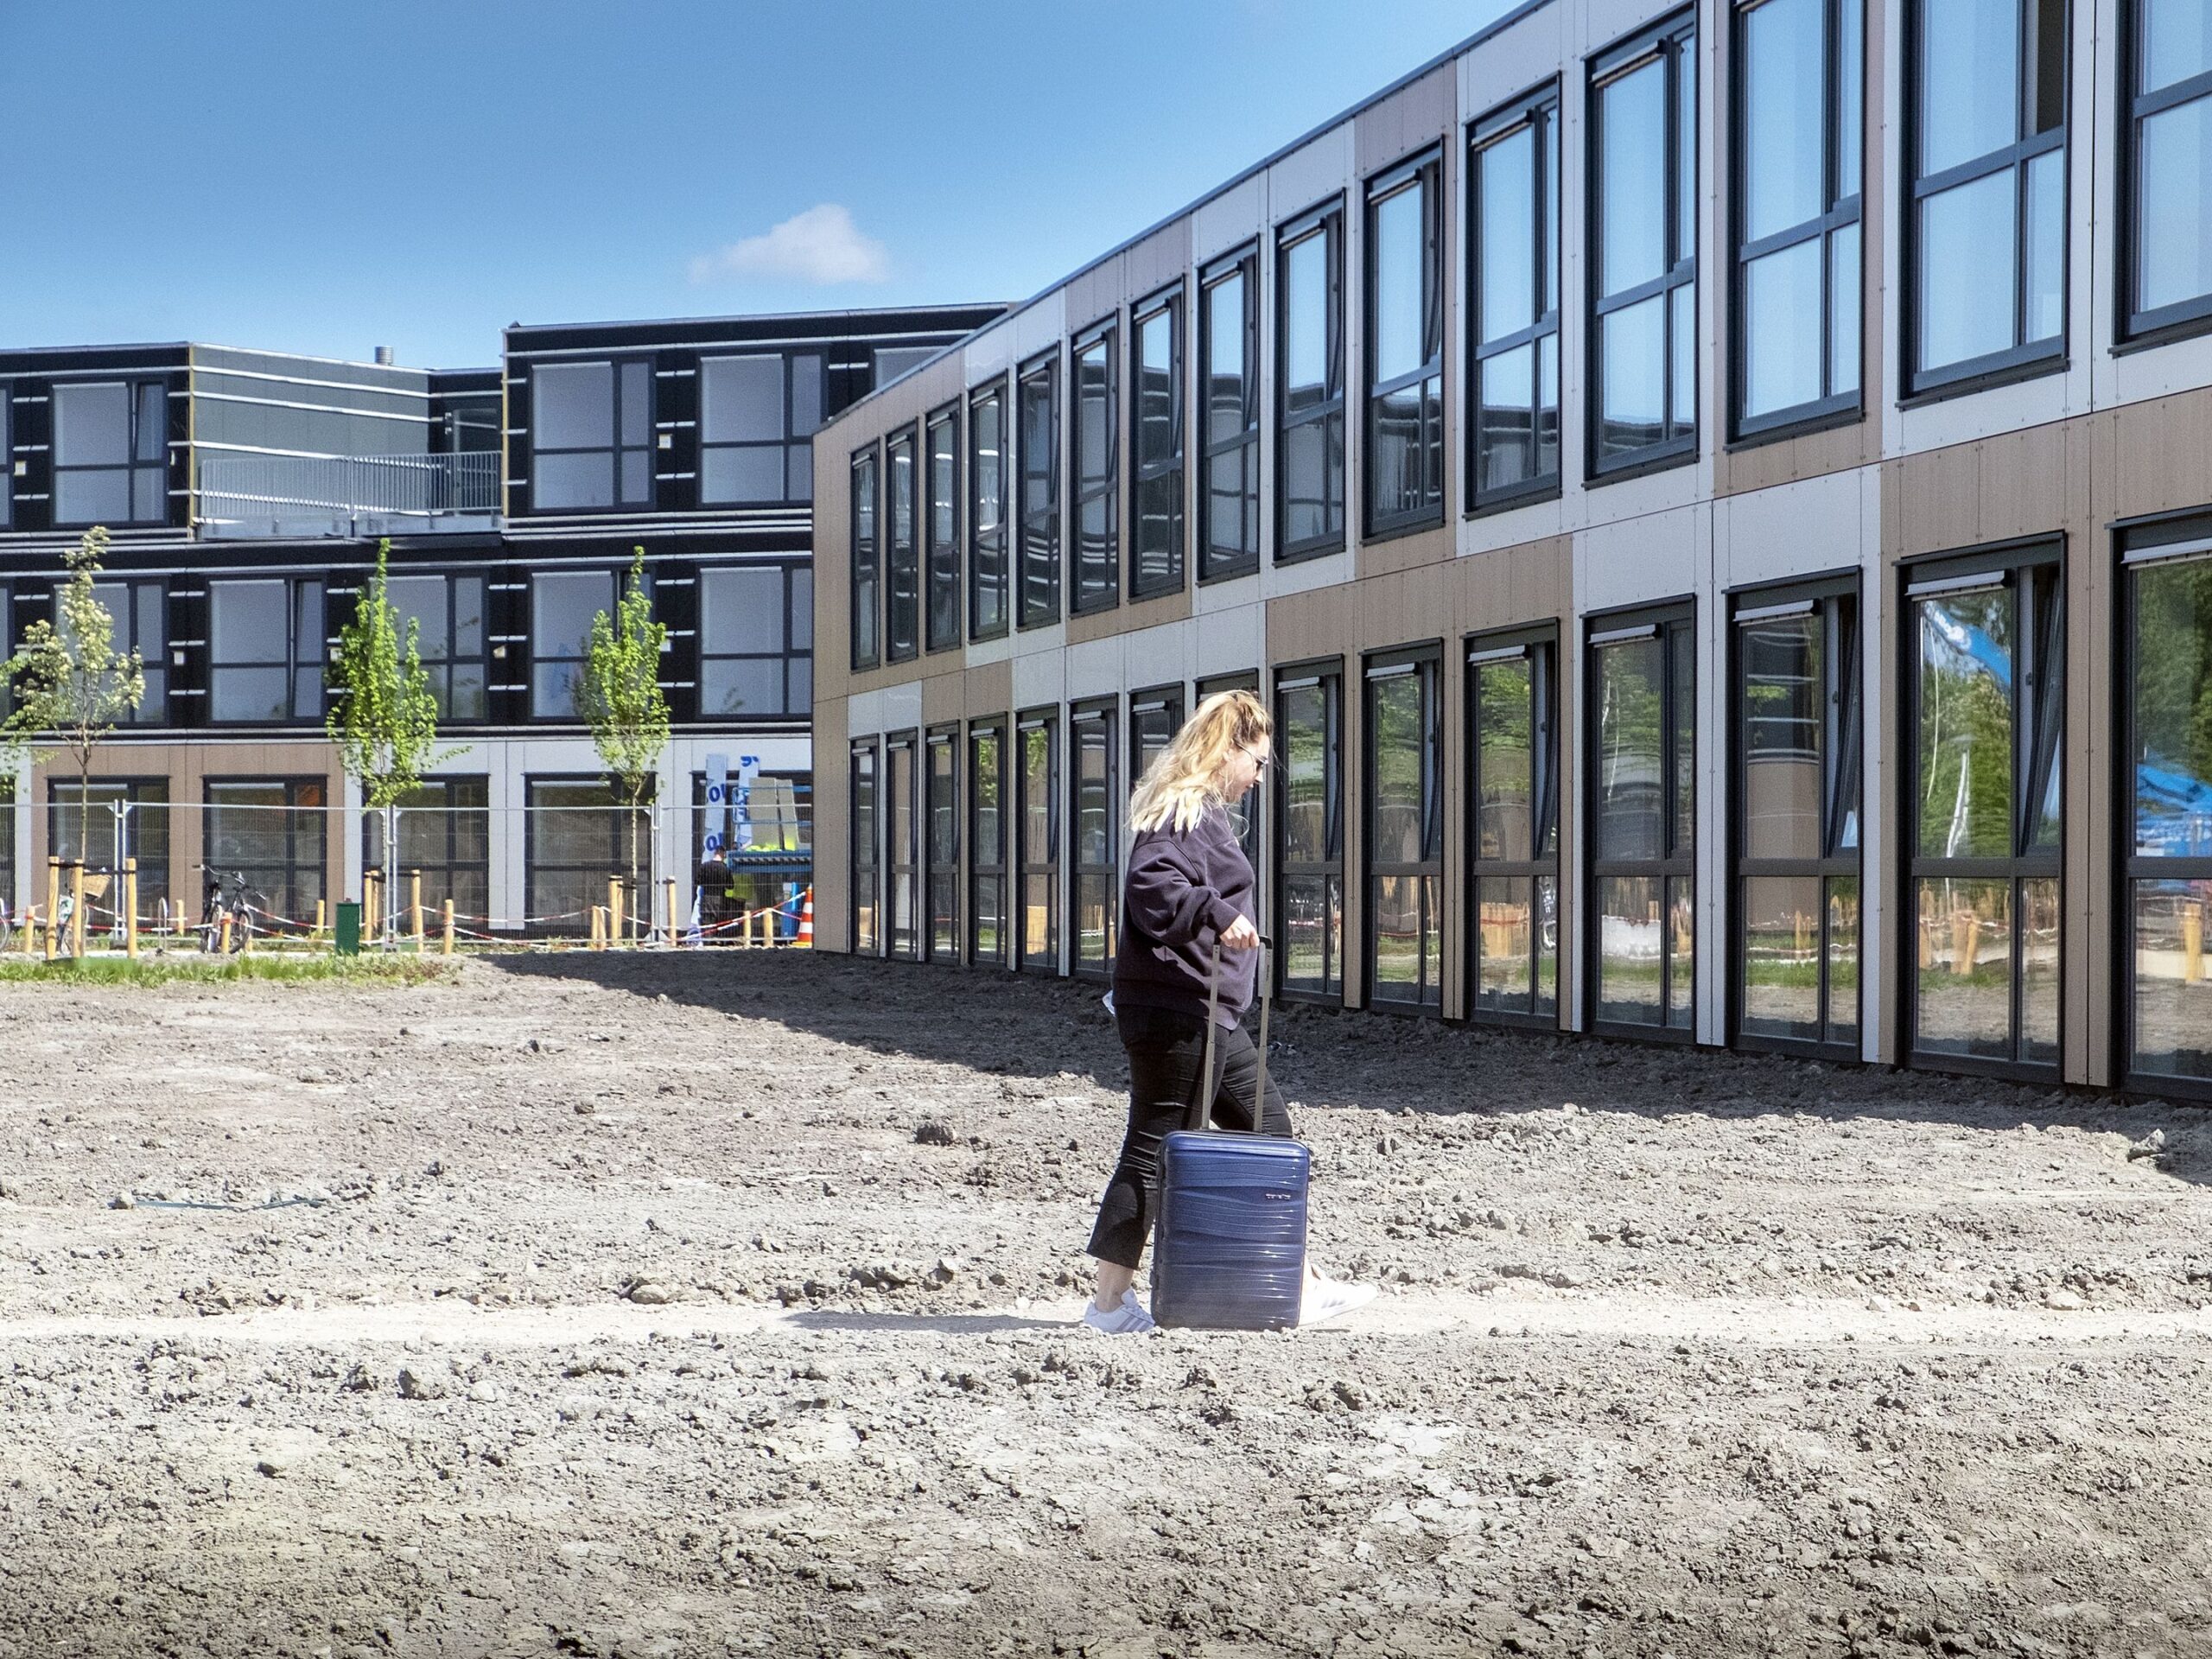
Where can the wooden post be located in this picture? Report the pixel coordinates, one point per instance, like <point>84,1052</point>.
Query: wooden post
<point>598,927</point>
<point>369,904</point>
<point>76,908</point>
<point>614,910</point>
<point>448,948</point>
<point>321,915</point>
<point>226,940</point>
<point>53,907</point>
<point>668,887</point>
<point>131,908</point>
<point>2192,943</point>
<point>414,905</point>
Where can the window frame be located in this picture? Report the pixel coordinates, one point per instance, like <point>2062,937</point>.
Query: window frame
<point>481,660</point>
<point>901,557</point>
<point>990,547</point>
<point>1837,602</point>
<point>2180,318</point>
<point>1532,112</point>
<point>790,441</point>
<point>6,479</point>
<point>434,893</point>
<point>1151,700</point>
<point>865,763</point>
<point>615,449</point>
<point>294,785</point>
<point>302,654</point>
<point>1047,721</point>
<point>866,637</point>
<point>1838,212</point>
<point>127,637</point>
<point>1539,646</point>
<point>992,729</point>
<point>944,612</point>
<point>1325,220</point>
<point>2023,360</point>
<point>1037,532</point>
<point>1091,725</point>
<point>1671,42</point>
<point>1168,302</point>
<point>1423,171</point>
<point>539,657</point>
<point>1424,662</point>
<point>2000,565</point>
<point>792,571</point>
<point>940,924</point>
<point>135,390</point>
<point>1673,624</point>
<point>902,856</point>
<point>1240,265</point>
<point>1104,337</point>
<point>1327,675</point>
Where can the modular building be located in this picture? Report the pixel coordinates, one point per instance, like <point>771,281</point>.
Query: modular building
<point>246,493</point>
<point>1719,500</point>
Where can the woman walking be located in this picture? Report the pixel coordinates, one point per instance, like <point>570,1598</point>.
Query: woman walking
<point>1188,902</point>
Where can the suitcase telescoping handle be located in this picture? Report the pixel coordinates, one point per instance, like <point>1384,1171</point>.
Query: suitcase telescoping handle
<point>1202,1099</point>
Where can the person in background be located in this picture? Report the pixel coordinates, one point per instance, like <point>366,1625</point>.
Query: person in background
<point>1188,896</point>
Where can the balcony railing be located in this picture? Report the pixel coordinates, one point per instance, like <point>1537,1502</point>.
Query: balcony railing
<point>346,495</point>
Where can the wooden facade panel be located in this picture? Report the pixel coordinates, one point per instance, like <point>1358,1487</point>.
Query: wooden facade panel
<point>2162,455</point>
<point>1407,552</point>
<point>1939,501</point>
<point>988,690</point>
<point>1130,617</point>
<point>1420,112</point>
<point>833,783</point>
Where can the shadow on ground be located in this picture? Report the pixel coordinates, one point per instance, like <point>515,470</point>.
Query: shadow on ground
<point>1018,1026</point>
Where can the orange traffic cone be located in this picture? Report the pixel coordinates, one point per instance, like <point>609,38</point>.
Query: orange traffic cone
<point>806,921</point>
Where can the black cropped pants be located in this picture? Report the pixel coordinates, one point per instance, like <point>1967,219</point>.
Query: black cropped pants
<point>1166,1051</point>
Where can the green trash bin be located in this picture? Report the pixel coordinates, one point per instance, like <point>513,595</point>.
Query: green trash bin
<point>349,927</point>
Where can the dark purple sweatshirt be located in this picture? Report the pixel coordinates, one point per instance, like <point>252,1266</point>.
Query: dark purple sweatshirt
<point>1184,887</point>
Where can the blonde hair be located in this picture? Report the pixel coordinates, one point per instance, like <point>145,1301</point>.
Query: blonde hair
<point>1179,786</point>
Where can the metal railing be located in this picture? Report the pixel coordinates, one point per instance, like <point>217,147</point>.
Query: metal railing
<point>345,495</point>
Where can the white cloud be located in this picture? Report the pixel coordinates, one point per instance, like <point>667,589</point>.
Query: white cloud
<point>820,245</point>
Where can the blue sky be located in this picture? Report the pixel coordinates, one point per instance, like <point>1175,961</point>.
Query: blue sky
<point>330,175</point>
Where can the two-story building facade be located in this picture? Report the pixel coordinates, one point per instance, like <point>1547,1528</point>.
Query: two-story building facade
<point>246,493</point>
<point>1718,498</point>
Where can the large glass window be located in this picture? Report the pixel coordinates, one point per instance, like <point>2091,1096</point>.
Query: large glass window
<point>7,464</point>
<point>1986,218</point>
<point>941,438</point>
<point>1644,798</point>
<point>448,613</point>
<point>1155,716</point>
<point>1513,285</point>
<point>577,838</point>
<point>2166,271</point>
<point>902,850</point>
<point>275,833</point>
<point>1988,718</point>
<point>139,613</point>
<point>264,650</point>
<point>758,415</point>
<point>563,605</point>
<point>1156,460</point>
<point>1405,838</point>
<point>1796,806</point>
<point>444,836</point>
<point>1097,443</point>
<point>941,831</point>
<point>987,485</point>
<point>1310,382</point>
<point>1512,688</point>
<point>591,434</point>
<point>1643,249</point>
<point>2169,846</point>
<point>1229,354</point>
<point>902,554</point>
<point>1404,457</point>
<point>756,641</point>
<point>110,452</point>
<point>1799,136</point>
<point>987,844</point>
<point>867,564</point>
<point>1309,801</point>
<point>103,823</point>
<point>1095,847</point>
<point>1038,393</point>
<point>867,841</point>
<point>1039,808</point>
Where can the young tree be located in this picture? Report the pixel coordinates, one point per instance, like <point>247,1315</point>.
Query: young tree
<point>69,686</point>
<point>619,696</point>
<point>383,715</point>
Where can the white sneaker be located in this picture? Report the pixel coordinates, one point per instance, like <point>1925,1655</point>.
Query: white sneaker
<point>1129,1319</point>
<point>1328,1299</point>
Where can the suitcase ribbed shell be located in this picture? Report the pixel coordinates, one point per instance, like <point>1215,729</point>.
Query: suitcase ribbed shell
<point>1229,1250</point>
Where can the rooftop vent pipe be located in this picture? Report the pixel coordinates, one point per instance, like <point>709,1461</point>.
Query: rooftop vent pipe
<point>383,355</point>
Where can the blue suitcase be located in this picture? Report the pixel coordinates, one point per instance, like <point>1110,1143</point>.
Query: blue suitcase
<point>1229,1251</point>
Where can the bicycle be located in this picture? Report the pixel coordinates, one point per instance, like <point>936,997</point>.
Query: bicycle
<point>223,906</point>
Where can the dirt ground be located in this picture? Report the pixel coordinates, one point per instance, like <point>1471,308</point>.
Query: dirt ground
<point>675,1305</point>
